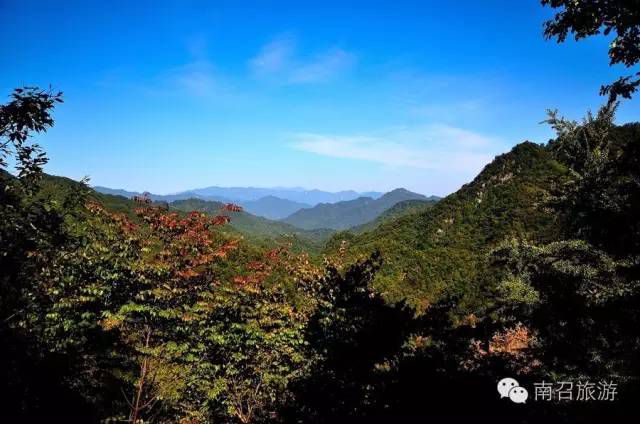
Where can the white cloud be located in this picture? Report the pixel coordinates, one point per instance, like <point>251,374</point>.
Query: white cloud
<point>431,147</point>
<point>277,61</point>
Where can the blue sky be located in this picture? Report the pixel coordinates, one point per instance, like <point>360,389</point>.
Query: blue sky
<point>171,95</point>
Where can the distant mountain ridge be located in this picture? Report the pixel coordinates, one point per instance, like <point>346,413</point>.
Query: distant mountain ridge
<point>260,230</point>
<point>296,194</point>
<point>350,213</point>
<point>244,194</point>
<point>157,197</point>
<point>272,203</point>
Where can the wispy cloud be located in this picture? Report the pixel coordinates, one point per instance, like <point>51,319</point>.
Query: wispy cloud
<point>197,78</point>
<point>278,61</point>
<point>274,57</point>
<point>433,147</point>
<point>323,67</point>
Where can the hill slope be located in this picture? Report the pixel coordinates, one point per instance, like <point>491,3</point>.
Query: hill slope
<point>398,210</point>
<point>343,215</point>
<point>443,247</point>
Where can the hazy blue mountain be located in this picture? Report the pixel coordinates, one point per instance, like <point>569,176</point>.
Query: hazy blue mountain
<point>347,214</point>
<point>159,197</point>
<point>115,191</point>
<point>295,194</point>
<point>241,195</point>
<point>273,207</point>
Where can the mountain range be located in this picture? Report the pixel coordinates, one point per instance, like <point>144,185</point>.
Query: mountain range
<point>350,213</point>
<point>271,203</point>
<point>430,245</point>
<point>295,194</point>
<point>246,194</point>
<point>308,225</point>
<point>258,229</point>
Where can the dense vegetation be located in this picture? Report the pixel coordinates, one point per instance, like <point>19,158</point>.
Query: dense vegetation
<point>402,208</point>
<point>442,248</point>
<point>115,311</point>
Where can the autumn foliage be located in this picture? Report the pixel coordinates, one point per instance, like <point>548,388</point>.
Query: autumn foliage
<point>182,305</point>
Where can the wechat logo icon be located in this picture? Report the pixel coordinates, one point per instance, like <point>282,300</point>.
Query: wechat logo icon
<point>509,387</point>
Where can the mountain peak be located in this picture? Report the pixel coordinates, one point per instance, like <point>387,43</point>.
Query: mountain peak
<point>401,190</point>
<point>400,194</point>
<point>347,214</point>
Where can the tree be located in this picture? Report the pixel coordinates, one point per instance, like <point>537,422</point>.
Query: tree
<point>28,112</point>
<point>579,295</point>
<point>354,337</point>
<point>586,18</point>
<point>185,322</point>
<point>27,223</point>
<point>30,222</point>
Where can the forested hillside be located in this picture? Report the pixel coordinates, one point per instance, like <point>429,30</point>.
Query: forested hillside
<point>443,247</point>
<point>398,210</point>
